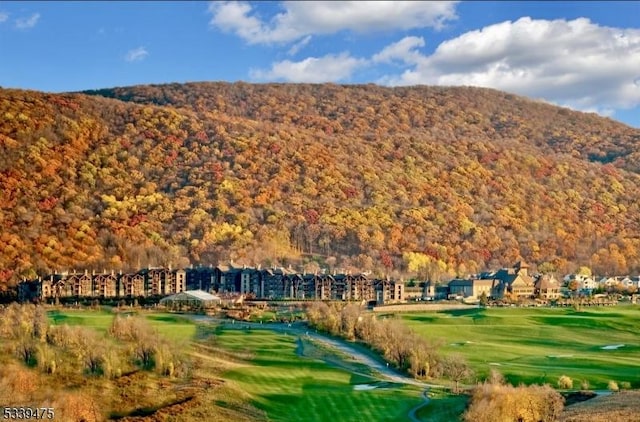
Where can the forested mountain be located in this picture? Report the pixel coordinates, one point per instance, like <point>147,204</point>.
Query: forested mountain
<point>349,176</point>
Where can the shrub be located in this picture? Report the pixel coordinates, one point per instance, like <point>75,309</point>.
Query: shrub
<point>112,367</point>
<point>565,382</point>
<point>94,362</point>
<point>494,402</point>
<point>613,386</point>
<point>128,328</point>
<point>625,385</point>
<point>584,385</point>
<point>144,352</point>
<point>59,335</point>
<point>495,377</point>
<point>27,352</point>
<point>46,359</point>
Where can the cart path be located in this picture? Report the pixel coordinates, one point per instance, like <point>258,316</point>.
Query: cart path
<point>344,346</point>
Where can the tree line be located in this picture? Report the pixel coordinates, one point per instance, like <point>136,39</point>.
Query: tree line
<point>396,343</point>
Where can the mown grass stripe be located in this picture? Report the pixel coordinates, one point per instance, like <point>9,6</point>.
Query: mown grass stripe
<point>524,341</point>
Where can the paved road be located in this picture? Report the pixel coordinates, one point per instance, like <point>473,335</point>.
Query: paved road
<point>426,399</point>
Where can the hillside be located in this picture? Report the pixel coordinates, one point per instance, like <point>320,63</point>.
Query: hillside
<point>352,176</point>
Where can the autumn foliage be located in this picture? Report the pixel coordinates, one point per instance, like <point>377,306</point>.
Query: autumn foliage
<point>357,175</point>
<point>492,402</point>
<point>397,344</point>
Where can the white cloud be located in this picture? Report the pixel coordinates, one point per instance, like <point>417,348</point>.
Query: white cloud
<point>26,23</point>
<point>329,68</point>
<point>300,19</point>
<point>403,51</point>
<point>299,45</point>
<point>137,54</point>
<point>3,17</point>
<point>573,63</point>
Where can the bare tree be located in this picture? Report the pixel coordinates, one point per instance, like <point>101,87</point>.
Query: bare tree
<point>457,369</point>
<point>348,320</point>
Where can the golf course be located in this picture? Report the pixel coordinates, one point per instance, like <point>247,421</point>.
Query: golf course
<point>291,387</point>
<point>538,345</point>
<point>285,374</point>
<point>172,327</point>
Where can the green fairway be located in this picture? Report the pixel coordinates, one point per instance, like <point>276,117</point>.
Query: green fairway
<point>443,406</point>
<point>536,345</point>
<point>98,320</point>
<point>173,327</point>
<point>293,388</point>
<point>288,387</point>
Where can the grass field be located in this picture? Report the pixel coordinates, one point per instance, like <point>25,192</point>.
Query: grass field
<point>443,406</point>
<point>97,320</point>
<point>293,388</point>
<point>195,391</point>
<point>318,386</point>
<point>537,345</point>
<point>173,327</point>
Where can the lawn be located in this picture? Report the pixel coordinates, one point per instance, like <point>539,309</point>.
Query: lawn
<point>537,345</point>
<point>294,388</point>
<point>288,387</point>
<point>98,320</point>
<point>443,406</point>
<point>173,327</point>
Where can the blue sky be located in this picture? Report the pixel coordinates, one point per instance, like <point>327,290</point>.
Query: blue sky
<point>583,55</point>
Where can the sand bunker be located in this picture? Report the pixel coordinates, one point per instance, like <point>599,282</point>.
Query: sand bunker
<point>364,387</point>
<point>612,347</point>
